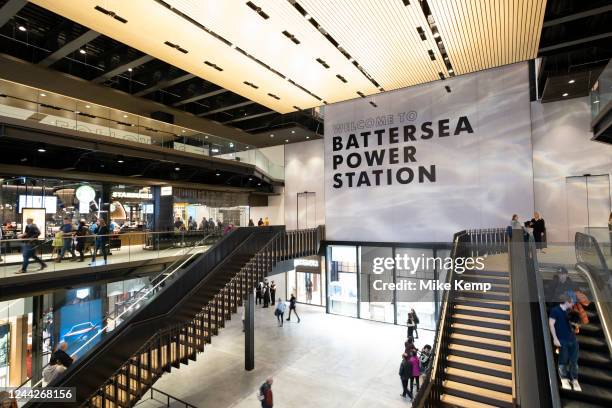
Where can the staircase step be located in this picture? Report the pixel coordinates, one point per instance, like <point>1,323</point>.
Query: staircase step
<point>479,356</point>
<point>454,401</point>
<point>487,272</point>
<point>489,295</point>
<point>488,279</point>
<point>482,302</point>
<point>482,321</point>
<point>479,380</point>
<point>482,342</point>
<point>481,351</point>
<point>483,312</point>
<point>499,370</point>
<point>471,326</point>
<point>495,398</point>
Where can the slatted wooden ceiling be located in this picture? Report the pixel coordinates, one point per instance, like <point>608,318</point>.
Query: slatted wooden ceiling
<point>379,35</point>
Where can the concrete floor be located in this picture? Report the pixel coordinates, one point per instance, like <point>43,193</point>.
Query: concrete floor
<point>324,361</point>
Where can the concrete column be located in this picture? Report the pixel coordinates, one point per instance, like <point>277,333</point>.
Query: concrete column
<point>249,332</point>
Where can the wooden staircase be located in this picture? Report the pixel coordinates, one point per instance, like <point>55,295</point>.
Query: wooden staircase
<point>478,368</point>
<point>209,309</point>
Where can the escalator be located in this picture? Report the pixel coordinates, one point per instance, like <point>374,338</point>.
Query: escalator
<point>594,339</point>
<point>178,315</point>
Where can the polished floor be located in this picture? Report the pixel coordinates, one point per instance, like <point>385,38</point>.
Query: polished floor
<point>323,362</point>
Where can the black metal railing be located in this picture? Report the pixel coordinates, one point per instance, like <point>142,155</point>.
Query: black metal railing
<point>468,243</point>
<point>167,399</point>
<point>185,314</point>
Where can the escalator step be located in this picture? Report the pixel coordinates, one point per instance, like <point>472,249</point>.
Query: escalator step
<point>594,359</point>
<point>568,403</point>
<point>478,394</point>
<point>596,376</point>
<point>479,380</point>
<point>592,343</point>
<point>590,393</point>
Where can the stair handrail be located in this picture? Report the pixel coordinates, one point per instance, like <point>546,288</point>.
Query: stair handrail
<point>170,397</point>
<point>431,375</point>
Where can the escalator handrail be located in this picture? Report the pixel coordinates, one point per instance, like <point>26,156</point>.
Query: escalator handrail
<point>603,307</point>
<point>546,335</point>
<point>182,260</point>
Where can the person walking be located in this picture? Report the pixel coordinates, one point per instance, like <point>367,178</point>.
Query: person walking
<point>266,295</point>
<point>405,374</point>
<point>260,222</point>
<point>81,233</point>
<point>251,223</point>
<point>259,293</point>
<point>67,233</point>
<point>412,323</point>
<point>416,371</point>
<point>265,393</point>
<point>279,311</point>
<point>292,304</point>
<point>28,249</point>
<point>564,337</point>
<point>539,231</point>
<point>272,292</point>
<point>101,241</point>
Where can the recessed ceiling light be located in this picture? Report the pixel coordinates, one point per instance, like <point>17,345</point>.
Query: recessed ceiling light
<point>565,94</point>
<point>450,71</point>
<point>120,161</point>
<point>596,101</point>
<point>130,69</point>
<point>571,81</point>
<point>22,28</point>
<point>272,135</point>
<point>183,130</point>
<point>82,51</point>
<point>307,137</point>
<point>446,58</point>
<point>215,150</point>
<point>286,140</point>
<point>125,116</point>
<point>217,174</point>
<point>42,94</point>
<point>250,178</point>
<point>293,131</point>
<point>436,35</point>
<point>177,168</point>
<point>259,184</point>
<point>88,106</point>
<point>205,137</point>
<point>231,145</point>
<point>42,150</point>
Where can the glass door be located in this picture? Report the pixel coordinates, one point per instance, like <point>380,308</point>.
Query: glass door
<point>306,210</point>
<point>588,204</point>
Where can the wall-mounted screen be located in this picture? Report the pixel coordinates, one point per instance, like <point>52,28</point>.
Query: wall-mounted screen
<point>49,203</point>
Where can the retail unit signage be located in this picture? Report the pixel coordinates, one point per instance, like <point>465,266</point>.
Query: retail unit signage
<point>125,194</point>
<point>421,163</point>
<point>166,191</point>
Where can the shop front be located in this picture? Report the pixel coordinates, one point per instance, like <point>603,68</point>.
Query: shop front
<point>307,281</point>
<point>202,209</point>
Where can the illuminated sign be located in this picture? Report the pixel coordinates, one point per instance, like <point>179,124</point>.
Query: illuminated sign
<point>166,191</point>
<point>125,194</point>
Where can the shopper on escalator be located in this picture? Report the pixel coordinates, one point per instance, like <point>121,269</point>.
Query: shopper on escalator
<point>564,337</point>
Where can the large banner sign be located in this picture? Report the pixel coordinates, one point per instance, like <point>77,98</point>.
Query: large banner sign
<point>421,163</point>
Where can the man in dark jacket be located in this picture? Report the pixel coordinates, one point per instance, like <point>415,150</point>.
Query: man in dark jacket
<point>61,355</point>
<point>405,372</point>
<point>265,392</point>
<point>29,236</point>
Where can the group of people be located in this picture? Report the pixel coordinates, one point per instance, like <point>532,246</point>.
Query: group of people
<point>64,241</point>
<point>537,226</point>
<point>414,361</point>
<point>263,222</point>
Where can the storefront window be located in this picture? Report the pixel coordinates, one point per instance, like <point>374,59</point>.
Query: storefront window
<point>422,301</point>
<point>15,342</point>
<point>375,304</point>
<point>342,289</point>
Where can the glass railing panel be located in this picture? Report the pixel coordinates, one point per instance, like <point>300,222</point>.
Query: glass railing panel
<point>601,93</point>
<point>119,247</point>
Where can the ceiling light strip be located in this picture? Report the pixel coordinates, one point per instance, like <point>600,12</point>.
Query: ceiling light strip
<point>433,27</point>
<point>335,43</point>
<point>225,41</point>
